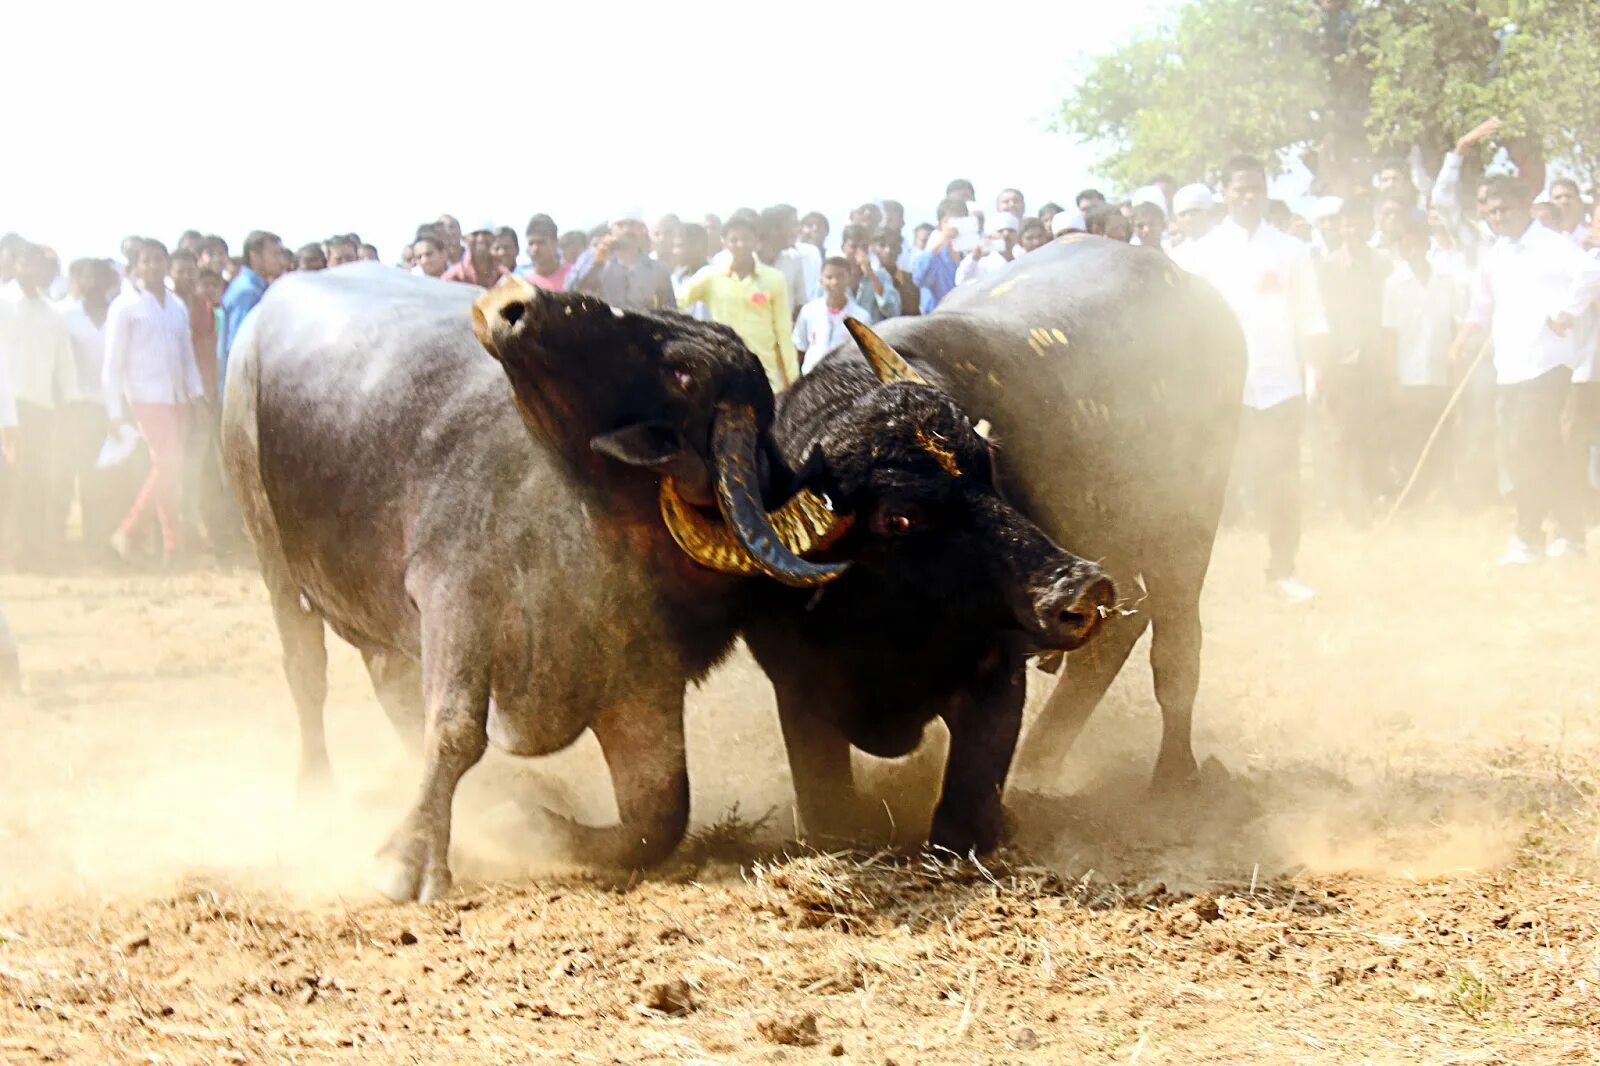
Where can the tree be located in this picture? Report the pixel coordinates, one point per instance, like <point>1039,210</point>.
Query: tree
<point>1185,98</point>
<point>1336,85</point>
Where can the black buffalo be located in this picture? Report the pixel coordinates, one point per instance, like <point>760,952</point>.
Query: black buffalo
<point>950,589</point>
<point>504,577</point>
<point>1112,383</point>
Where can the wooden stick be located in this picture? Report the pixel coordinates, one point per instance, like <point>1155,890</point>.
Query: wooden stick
<point>1427,448</point>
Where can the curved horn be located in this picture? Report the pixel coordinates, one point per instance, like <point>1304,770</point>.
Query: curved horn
<point>733,447</point>
<point>886,362</point>
<point>804,524</point>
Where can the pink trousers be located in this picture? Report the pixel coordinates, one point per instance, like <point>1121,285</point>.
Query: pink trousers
<point>162,425</point>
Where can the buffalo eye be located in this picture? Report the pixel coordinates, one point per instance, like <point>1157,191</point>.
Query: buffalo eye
<point>686,382</point>
<point>897,520</point>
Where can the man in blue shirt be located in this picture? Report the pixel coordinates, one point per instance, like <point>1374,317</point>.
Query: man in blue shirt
<point>934,268</point>
<point>264,261</point>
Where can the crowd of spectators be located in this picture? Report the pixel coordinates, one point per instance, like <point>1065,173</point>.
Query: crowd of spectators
<point>1361,318</point>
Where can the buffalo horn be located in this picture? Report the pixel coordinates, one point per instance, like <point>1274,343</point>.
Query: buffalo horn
<point>804,524</point>
<point>733,447</point>
<point>886,362</point>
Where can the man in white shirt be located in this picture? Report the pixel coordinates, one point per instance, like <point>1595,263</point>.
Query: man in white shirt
<point>1567,202</point>
<point>1193,210</point>
<point>37,352</point>
<point>1583,426</point>
<point>1533,287</point>
<point>1266,277</point>
<point>10,667</point>
<point>997,251</point>
<point>1424,300</point>
<point>1469,233</point>
<point>83,416</point>
<point>150,373</point>
<point>820,328</point>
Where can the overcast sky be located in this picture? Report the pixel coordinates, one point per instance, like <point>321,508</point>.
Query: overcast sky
<point>310,118</point>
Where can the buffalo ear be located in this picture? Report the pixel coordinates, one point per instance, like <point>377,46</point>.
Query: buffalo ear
<point>652,445</point>
<point>501,312</point>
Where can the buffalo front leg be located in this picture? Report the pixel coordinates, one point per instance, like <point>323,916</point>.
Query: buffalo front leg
<point>1087,674</point>
<point>819,762</point>
<point>984,723</point>
<point>643,744</point>
<point>415,864</point>
<point>305,665</point>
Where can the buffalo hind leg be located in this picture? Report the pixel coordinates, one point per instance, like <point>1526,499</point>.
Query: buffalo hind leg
<point>984,725</point>
<point>1087,674</point>
<point>415,863</point>
<point>305,664</point>
<point>1175,666</point>
<point>397,682</point>
<point>643,744</point>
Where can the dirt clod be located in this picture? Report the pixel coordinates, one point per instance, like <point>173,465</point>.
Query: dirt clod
<point>133,942</point>
<point>799,1030</point>
<point>406,938</point>
<point>1024,1038</point>
<point>670,997</point>
<point>1517,920</point>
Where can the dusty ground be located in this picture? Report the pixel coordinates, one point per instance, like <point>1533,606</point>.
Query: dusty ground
<point>1396,866</point>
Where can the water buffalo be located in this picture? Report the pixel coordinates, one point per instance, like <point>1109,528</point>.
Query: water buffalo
<point>949,590</point>
<point>496,551</point>
<point>1112,382</point>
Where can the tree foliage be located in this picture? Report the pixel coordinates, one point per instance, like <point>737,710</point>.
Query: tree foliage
<point>1284,79</point>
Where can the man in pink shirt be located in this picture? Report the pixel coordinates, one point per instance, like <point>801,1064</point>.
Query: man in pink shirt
<point>546,269</point>
<point>150,368</point>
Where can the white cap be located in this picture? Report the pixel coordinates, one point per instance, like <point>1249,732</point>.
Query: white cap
<point>1002,220</point>
<point>1068,219</point>
<point>631,213</point>
<point>1196,197</point>
<point>1151,195</point>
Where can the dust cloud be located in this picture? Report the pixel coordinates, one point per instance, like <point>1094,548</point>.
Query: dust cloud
<point>1405,725</point>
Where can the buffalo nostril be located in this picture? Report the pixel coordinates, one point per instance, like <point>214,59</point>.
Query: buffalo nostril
<point>1071,610</point>
<point>1089,607</point>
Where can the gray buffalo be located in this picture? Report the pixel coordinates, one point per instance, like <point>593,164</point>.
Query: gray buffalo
<point>496,551</point>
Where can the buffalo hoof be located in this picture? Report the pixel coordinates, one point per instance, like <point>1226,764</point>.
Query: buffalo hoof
<point>977,832</point>
<point>614,846</point>
<point>1040,757</point>
<point>411,870</point>
<point>1175,777</point>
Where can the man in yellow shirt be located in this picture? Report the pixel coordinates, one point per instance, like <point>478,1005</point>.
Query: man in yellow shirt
<point>750,297</point>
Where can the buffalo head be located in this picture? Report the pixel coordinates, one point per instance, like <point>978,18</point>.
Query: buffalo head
<point>682,400</point>
<point>949,584</point>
